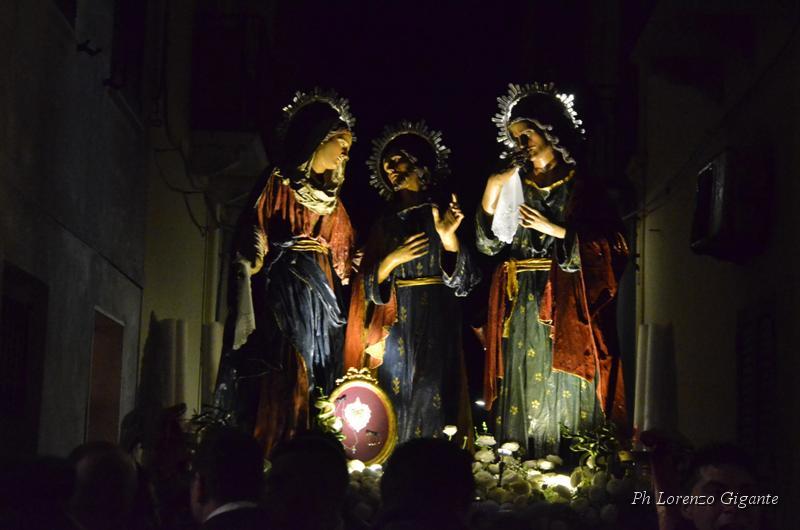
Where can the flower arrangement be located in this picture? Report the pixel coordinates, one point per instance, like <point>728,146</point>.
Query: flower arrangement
<point>595,493</point>
<point>326,419</point>
<point>363,497</point>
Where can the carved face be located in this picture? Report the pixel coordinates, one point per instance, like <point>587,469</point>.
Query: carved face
<point>333,151</point>
<point>528,138</point>
<point>403,170</point>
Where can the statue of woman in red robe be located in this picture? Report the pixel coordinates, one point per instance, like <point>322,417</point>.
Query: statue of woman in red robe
<point>552,354</point>
<point>291,255</point>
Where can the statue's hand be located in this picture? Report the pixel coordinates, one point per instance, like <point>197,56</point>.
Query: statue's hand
<point>412,248</point>
<point>447,224</point>
<point>532,218</point>
<point>261,251</point>
<point>248,266</point>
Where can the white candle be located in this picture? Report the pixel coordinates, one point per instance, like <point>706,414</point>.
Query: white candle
<point>659,394</point>
<point>641,380</point>
<point>212,351</point>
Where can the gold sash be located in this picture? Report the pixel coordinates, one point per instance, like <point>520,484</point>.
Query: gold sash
<point>415,282</point>
<point>514,267</point>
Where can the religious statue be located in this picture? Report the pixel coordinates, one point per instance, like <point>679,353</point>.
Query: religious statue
<point>405,314</point>
<point>291,254</point>
<point>552,352</point>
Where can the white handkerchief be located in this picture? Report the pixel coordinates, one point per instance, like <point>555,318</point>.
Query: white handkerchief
<point>506,214</point>
<point>245,317</point>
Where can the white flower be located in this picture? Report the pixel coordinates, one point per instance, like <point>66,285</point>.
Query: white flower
<point>519,487</point>
<point>377,469</point>
<point>477,466</point>
<point>511,447</point>
<point>500,495</point>
<point>484,479</point>
<point>485,440</point>
<point>338,424</point>
<point>355,466</point>
<point>563,491</point>
<point>545,465</point>
<point>536,493</point>
<point>554,459</point>
<point>357,414</point>
<point>494,468</point>
<point>509,460</point>
<point>531,464</point>
<point>485,455</point>
<point>450,430</point>
<point>554,479</point>
<point>509,477</point>
<point>371,490</point>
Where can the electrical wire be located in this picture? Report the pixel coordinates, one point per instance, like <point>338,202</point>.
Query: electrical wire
<point>163,111</point>
<point>164,178</point>
<point>203,229</point>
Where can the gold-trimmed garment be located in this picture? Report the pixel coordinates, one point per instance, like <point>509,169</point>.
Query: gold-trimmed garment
<point>531,182</point>
<point>514,267</point>
<point>416,282</point>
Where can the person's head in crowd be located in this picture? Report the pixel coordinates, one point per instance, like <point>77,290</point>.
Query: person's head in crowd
<point>429,481</point>
<point>227,468</point>
<point>35,493</point>
<point>716,470</point>
<point>105,486</point>
<point>307,483</point>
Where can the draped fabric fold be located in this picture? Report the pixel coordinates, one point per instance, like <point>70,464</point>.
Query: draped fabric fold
<point>583,323</point>
<point>365,339</point>
<point>493,370</point>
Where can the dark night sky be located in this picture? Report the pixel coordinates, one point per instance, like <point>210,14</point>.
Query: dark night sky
<point>442,61</point>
